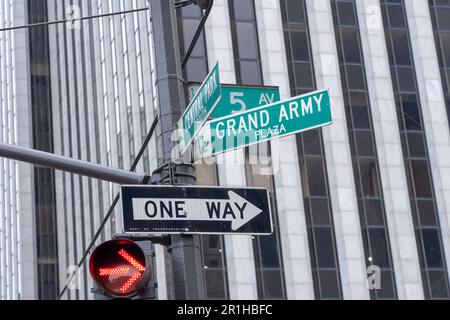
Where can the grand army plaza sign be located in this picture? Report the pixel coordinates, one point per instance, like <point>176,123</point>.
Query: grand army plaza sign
<point>264,123</point>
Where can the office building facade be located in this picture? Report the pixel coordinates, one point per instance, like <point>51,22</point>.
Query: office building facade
<point>361,207</point>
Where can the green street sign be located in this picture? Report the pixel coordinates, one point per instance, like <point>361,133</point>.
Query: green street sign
<point>264,123</point>
<point>199,109</point>
<point>236,99</point>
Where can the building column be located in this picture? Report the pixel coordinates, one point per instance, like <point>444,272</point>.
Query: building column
<point>433,109</point>
<point>285,163</point>
<point>238,248</point>
<point>337,149</point>
<point>390,156</point>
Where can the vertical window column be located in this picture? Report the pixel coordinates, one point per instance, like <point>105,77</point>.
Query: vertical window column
<point>267,250</point>
<point>363,147</point>
<point>212,246</point>
<point>440,16</point>
<point>47,253</point>
<point>415,151</point>
<point>316,196</point>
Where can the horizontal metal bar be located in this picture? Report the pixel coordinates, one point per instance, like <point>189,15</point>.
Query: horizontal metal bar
<point>48,23</point>
<point>84,168</point>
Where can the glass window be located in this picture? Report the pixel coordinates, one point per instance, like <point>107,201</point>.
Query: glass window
<point>316,178</point>
<point>295,11</point>
<point>246,40</point>
<point>378,245</point>
<point>355,77</point>
<point>312,142</point>
<point>324,244</point>
<point>300,50</point>
<point>303,76</point>
<point>400,43</point>
<point>346,13</point>
<point>350,45</point>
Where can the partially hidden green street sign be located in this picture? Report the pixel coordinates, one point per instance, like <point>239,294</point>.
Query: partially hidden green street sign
<point>236,99</point>
<point>199,109</point>
<point>264,123</point>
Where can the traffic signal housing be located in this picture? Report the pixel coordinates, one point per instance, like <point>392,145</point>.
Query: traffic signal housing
<point>122,268</point>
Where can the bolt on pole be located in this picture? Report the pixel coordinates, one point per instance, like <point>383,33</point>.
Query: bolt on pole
<point>188,283</point>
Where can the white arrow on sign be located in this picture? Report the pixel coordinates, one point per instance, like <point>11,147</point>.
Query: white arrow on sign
<point>236,209</point>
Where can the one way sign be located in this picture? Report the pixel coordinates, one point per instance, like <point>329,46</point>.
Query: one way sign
<point>195,210</point>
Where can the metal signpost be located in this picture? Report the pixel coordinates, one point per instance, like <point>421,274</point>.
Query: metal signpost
<point>264,123</point>
<point>195,210</point>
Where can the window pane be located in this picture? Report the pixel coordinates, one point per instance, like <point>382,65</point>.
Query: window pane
<point>243,9</point>
<point>364,143</point>
<point>350,44</point>
<point>416,144</point>
<point>300,50</point>
<point>378,244</point>
<point>320,211</point>
<point>346,13</point>
<point>432,248</point>
<point>411,112</point>
<point>246,40</point>
<point>312,142</point>
<point>406,80</point>
<point>427,212</point>
<point>196,70</point>
<point>445,43</point>
<point>421,178</point>
<point>396,16</point>
<point>214,281</point>
<point>438,284</point>
<point>295,11</point>
<point>369,178</point>
<point>316,177</point>
<point>269,252</point>
<point>250,73</point>
<point>374,212</point>
<point>324,248</point>
<point>400,44</point>
<point>443,15</point>
<point>355,78</point>
<point>303,75</point>
<point>272,284</point>
<point>329,285</point>
<point>387,289</point>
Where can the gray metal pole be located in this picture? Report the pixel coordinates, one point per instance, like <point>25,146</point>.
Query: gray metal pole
<point>185,250</point>
<point>50,160</point>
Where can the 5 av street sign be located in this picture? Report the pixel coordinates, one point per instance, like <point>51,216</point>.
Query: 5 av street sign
<point>236,99</point>
<point>264,123</point>
<point>195,210</point>
<point>199,109</point>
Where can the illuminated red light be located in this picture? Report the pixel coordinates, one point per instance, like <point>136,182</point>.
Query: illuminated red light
<point>118,266</point>
<point>113,271</point>
<point>131,260</point>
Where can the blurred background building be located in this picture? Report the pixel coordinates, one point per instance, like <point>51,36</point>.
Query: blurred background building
<point>371,189</point>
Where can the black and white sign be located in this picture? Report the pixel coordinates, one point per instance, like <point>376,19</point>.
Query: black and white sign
<point>195,210</point>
